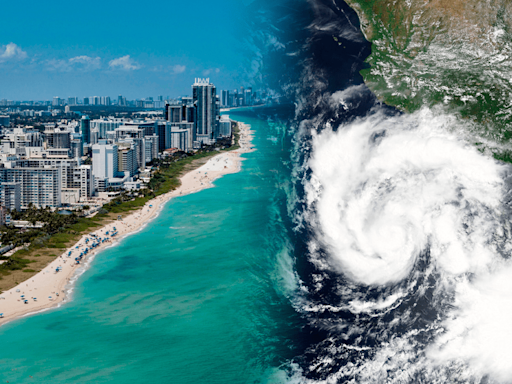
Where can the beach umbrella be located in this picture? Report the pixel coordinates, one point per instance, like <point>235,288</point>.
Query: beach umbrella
<point>1,315</point>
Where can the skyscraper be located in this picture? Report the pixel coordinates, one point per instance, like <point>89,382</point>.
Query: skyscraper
<point>85,129</point>
<point>104,160</point>
<point>173,113</point>
<point>248,96</point>
<point>224,98</point>
<point>205,102</point>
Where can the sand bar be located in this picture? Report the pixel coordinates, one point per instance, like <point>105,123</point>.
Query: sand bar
<point>49,288</point>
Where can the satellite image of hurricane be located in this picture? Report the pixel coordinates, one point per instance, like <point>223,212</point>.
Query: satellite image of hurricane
<point>401,202</point>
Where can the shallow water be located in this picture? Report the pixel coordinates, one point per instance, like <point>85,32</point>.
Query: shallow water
<point>198,295</point>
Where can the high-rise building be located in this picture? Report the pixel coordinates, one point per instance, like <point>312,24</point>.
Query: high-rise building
<point>173,113</point>
<point>86,101</point>
<point>81,178</point>
<point>164,135</point>
<point>77,147</point>
<point>10,196</point>
<point>104,160</point>
<point>248,98</point>
<point>57,101</point>
<point>127,160</point>
<point>85,129</point>
<point>232,97</point>
<point>224,99</point>
<point>224,127</point>
<point>58,139</point>
<point>94,136</point>
<point>148,152</point>
<point>140,151</point>
<point>152,147</point>
<point>206,111</point>
<point>180,139</point>
<point>105,100</point>
<point>72,100</point>
<point>39,186</point>
<point>106,125</point>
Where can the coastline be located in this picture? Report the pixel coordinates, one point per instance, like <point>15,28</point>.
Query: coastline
<point>52,288</point>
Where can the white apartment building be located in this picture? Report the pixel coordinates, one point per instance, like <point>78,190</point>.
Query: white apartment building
<point>104,160</point>
<point>39,186</point>
<point>180,139</point>
<point>106,125</point>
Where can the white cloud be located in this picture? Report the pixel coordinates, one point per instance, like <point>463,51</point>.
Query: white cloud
<point>209,71</point>
<point>178,69</point>
<point>125,63</point>
<point>377,204</point>
<point>86,62</point>
<point>78,63</point>
<point>11,52</point>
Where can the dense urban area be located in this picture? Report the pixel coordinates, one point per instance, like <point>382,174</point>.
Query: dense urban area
<point>62,161</point>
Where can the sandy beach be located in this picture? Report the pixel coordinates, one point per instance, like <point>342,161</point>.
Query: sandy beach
<point>52,286</point>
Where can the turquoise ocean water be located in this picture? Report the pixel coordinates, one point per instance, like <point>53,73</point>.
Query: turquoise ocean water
<point>198,296</point>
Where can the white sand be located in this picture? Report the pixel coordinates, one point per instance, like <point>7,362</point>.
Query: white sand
<point>51,288</point>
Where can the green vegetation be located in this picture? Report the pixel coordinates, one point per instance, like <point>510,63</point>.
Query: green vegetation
<point>449,54</point>
<point>61,231</point>
<point>13,263</point>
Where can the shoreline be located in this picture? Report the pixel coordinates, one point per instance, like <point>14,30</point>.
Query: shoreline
<point>52,288</point>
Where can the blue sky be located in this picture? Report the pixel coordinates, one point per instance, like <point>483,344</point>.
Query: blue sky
<point>106,48</point>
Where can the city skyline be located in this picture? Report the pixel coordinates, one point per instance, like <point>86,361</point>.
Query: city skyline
<point>92,52</point>
<point>82,157</point>
<point>238,96</point>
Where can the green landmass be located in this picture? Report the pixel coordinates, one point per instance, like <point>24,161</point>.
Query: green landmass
<point>452,54</point>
